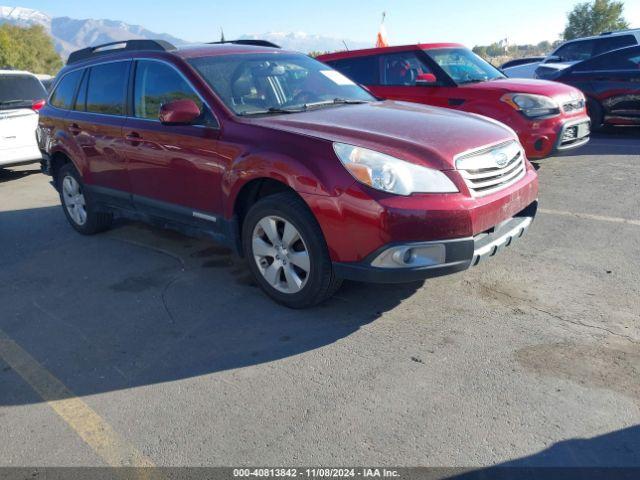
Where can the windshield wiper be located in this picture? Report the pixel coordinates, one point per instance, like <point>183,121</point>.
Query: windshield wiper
<point>335,101</point>
<point>272,110</point>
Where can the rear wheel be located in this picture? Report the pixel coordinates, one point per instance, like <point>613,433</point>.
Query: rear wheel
<point>286,251</point>
<point>80,211</point>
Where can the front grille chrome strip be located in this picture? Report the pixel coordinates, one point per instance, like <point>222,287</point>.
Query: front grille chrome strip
<point>482,172</point>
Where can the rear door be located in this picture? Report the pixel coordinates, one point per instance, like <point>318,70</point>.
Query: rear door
<point>96,123</point>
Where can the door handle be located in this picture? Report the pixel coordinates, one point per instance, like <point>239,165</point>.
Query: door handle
<point>133,137</point>
<point>74,129</point>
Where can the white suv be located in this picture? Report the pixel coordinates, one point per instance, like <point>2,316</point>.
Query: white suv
<point>574,51</point>
<point>21,96</point>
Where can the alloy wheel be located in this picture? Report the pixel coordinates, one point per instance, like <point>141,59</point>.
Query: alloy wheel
<point>281,254</point>
<point>74,200</point>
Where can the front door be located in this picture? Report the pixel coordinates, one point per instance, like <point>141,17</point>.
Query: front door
<point>174,170</point>
<point>398,75</point>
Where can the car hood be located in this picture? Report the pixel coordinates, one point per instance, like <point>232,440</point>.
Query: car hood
<point>525,85</point>
<point>421,134</point>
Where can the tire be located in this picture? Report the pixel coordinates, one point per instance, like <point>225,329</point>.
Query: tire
<point>596,114</point>
<point>276,233</point>
<point>80,210</point>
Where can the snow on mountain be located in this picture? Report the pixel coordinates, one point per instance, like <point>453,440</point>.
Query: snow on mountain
<point>305,42</point>
<point>71,34</point>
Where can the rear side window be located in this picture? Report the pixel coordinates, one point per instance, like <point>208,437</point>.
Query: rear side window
<point>63,95</point>
<point>106,88</point>
<point>157,84</point>
<point>613,43</point>
<point>14,87</point>
<point>362,70</point>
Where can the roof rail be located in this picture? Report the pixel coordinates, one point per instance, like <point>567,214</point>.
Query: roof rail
<point>621,31</point>
<point>106,48</point>
<point>257,43</point>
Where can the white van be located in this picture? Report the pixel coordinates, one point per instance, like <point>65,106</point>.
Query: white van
<point>21,96</point>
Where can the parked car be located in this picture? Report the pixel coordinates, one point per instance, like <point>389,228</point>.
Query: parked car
<point>21,96</point>
<point>574,51</point>
<point>611,83</point>
<point>521,67</point>
<point>286,161</point>
<point>547,116</point>
<point>46,81</point>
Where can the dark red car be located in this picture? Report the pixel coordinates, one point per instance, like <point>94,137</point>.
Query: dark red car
<point>286,161</point>
<point>546,116</point>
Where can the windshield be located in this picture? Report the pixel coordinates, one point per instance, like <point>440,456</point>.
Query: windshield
<point>20,91</point>
<point>464,66</point>
<point>274,83</point>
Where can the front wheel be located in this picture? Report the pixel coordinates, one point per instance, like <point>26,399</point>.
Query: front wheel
<point>287,253</point>
<point>596,114</point>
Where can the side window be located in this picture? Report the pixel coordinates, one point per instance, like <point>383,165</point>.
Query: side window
<point>362,70</point>
<point>157,84</point>
<point>612,43</point>
<point>402,69</point>
<point>81,99</point>
<point>628,60</point>
<point>63,95</point>
<point>106,88</point>
<point>576,51</point>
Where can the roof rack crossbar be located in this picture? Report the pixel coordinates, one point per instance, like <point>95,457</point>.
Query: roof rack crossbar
<point>257,43</point>
<point>106,48</point>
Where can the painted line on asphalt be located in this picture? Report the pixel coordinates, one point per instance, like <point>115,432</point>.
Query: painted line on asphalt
<point>87,424</point>
<point>589,216</point>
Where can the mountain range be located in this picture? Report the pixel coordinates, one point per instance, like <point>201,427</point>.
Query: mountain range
<point>71,34</point>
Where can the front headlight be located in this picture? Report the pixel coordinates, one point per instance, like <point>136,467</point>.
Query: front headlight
<point>390,174</point>
<point>532,106</point>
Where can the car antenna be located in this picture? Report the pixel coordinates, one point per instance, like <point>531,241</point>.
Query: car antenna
<point>345,45</point>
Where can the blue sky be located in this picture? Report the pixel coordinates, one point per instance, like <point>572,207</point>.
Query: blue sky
<point>468,21</point>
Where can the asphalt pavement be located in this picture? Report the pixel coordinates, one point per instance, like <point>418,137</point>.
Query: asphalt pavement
<point>144,347</point>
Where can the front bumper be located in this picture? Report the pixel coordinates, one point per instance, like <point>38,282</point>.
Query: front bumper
<point>459,254</point>
<point>543,138</point>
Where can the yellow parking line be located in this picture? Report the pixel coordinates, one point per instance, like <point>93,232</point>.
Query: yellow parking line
<point>91,428</point>
<point>589,216</point>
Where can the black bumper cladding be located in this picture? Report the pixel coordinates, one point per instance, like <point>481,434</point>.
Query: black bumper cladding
<point>461,253</point>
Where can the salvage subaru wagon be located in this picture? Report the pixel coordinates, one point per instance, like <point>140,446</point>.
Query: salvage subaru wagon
<point>284,160</point>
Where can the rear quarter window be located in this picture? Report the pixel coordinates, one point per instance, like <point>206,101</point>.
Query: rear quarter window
<point>362,70</point>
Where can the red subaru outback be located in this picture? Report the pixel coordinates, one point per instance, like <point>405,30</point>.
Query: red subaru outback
<point>547,116</point>
<point>283,159</point>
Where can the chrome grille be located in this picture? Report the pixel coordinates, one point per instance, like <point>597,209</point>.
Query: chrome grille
<point>492,169</point>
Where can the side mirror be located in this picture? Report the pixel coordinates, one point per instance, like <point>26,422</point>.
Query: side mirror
<point>179,112</point>
<point>426,79</point>
<point>552,59</point>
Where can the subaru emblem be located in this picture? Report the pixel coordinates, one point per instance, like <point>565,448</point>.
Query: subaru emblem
<point>501,159</point>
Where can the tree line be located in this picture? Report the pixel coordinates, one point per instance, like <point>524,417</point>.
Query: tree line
<point>28,49</point>
<point>586,19</point>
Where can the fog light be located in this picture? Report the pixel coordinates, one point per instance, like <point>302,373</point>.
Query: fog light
<point>411,256</point>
